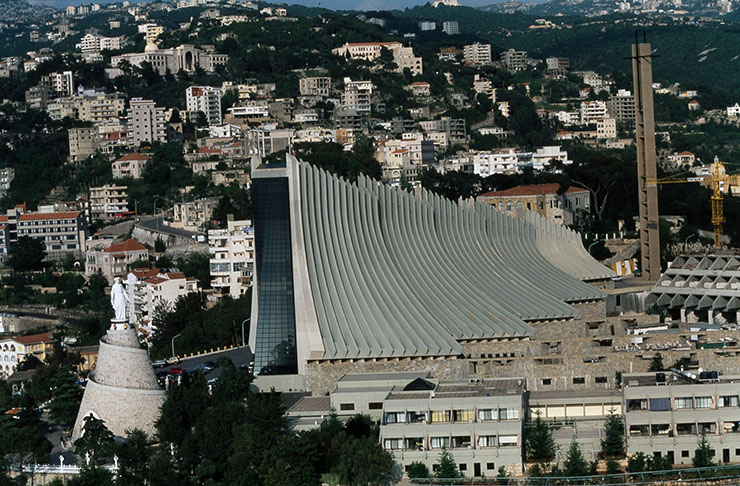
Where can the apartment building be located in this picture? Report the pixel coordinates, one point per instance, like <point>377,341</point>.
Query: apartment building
<point>62,232</point>
<point>557,65</point>
<point>568,208</point>
<point>482,85</point>
<point>357,96</point>
<point>114,260</point>
<point>477,54</point>
<point>450,27</point>
<point>370,51</point>
<point>405,59</point>
<point>7,174</point>
<point>666,412</point>
<point>315,86</point>
<point>205,99</point>
<point>622,106</point>
<point>14,350</point>
<point>192,215</point>
<point>94,43</point>
<point>60,83</point>
<point>146,122</point>
<point>108,202</point>
<point>130,166</point>
<point>454,127</point>
<point>427,25</point>
<point>152,288</point>
<point>232,257</point>
<point>420,152</point>
<point>100,107</point>
<point>514,60</point>
<point>606,128</point>
<point>593,111</point>
<point>83,143</point>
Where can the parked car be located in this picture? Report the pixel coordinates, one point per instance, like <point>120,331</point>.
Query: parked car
<point>203,367</point>
<point>211,364</point>
<point>176,371</point>
<point>159,363</point>
<point>173,360</point>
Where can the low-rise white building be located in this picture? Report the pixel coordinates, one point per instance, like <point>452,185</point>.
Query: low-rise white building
<point>232,257</point>
<point>14,350</point>
<point>130,166</point>
<point>153,288</point>
<point>192,215</point>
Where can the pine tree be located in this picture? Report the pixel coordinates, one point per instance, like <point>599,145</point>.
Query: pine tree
<point>656,364</point>
<point>539,442</point>
<point>575,464</point>
<point>613,442</point>
<point>446,466</point>
<point>703,453</point>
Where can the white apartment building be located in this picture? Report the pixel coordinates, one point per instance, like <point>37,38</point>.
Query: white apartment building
<point>315,86</point>
<point>83,142</point>
<point>100,107</point>
<point>193,215</point>
<point>370,51</point>
<point>477,54</point>
<point>606,128</point>
<point>498,162</point>
<point>145,122</point>
<point>733,110</point>
<point>593,111</point>
<point>514,60</point>
<point>108,202</point>
<point>426,25</point>
<point>484,86</point>
<point>357,96</point>
<point>130,166</point>
<point>61,83</point>
<point>207,100</point>
<point>93,43</point>
<point>7,174</point>
<point>232,257</point>
<point>61,232</point>
<point>152,288</point>
<point>568,117</point>
<point>451,27</point>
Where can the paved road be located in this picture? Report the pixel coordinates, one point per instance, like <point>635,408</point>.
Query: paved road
<point>157,224</point>
<point>238,356</point>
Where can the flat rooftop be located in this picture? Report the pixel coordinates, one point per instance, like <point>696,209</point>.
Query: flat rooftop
<point>311,404</point>
<point>487,388</point>
<point>577,394</point>
<point>650,379</point>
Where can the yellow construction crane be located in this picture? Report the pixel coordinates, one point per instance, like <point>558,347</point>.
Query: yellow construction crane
<point>717,175</point>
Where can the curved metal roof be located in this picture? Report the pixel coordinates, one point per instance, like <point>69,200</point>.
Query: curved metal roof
<point>395,275</point>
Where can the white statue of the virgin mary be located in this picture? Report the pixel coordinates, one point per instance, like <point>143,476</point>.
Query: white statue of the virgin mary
<point>119,299</point>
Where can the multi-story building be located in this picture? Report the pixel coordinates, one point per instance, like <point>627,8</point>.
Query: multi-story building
<point>454,127</point>
<point>420,152</point>
<point>315,86</point>
<point>621,106</point>
<point>38,96</point>
<point>152,288</point>
<point>357,96</point>
<point>207,100</point>
<point>568,208</point>
<point>94,43</point>
<point>484,86</point>
<point>184,57</point>
<point>593,111</point>
<point>100,107</point>
<point>666,412</point>
<point>108,202</point>
<point>481,423</point>
<point>477,54</point>
<point>405,59</point>
<point>152,33</point>
<point>146,122</point>
<point>60,83</point>
<point>61,232</point>
<point>61,108</point>
<point>370,51</point>
<point>14,350</point>
<point>426,25</point>
<point>114,260</point>
<point>504,161</point>
<point>232,257</point>
<point>450,27</point>
<point>83,142</point>
<point>606,128</point>
<point>557,65</point>
<point>7,174</point>
<point>130,166</point>
<point>193,215</point>
<point>514,60</point>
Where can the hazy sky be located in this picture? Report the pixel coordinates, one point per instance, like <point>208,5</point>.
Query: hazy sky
<point>333,4</point>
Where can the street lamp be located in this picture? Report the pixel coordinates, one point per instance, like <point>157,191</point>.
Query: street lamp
<point>686,241</point>
<point>173,344</point>
<point>244,322</point>
<point>592,244</point>
<point>154,211</point>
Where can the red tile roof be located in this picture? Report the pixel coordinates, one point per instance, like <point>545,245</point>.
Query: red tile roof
<point>532,190</point>
<point>128,245</point>
<point>142,273</point>
<point>38,216</point>
<point>175,275</point>
<point>133,156</point>
<point>35,339</point>
<point>155,280</point>
<point>208,150</point>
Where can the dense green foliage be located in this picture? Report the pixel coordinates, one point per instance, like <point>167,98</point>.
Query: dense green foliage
<point>446,466</point>
<point>575,464</point>
<point>704,453</point>
<point>612,444</point>
<point>540,445</point>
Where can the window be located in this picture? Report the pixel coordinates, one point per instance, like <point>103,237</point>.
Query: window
<point>440,416</point>
<point>417,417</point>
<point>415,443</point>
<point>546,381</point>
<point>579,380</point>
<point>660,429</point>
<point>395,417</point>
<point>660,404</point>
<point>346,406</point>
<point>519,205</point>
<point>686,429</point>
<point>500,206</point>
<point>685,402</point>
<point>463,467</point>
<point>375,405</point>
<point>509,206</point>
<point>703,402</point>
<point>507,440</point>
<point>491,466</point>
<point>639,430</point>
<point>708,428</point>
<point>393,444</point>
<point>488,414</point>
<point>727,401</point>
<point>461,442</point>
<point>686,453</point>
<point>439,442</point>
<point>486,441</point>
<point>509,413</point>
<point>463,415</point>
<point>601,379</point>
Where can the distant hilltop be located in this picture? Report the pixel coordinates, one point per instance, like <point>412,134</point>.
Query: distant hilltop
<point>15,10</point>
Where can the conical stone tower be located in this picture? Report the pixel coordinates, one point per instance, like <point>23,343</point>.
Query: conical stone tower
<point>122,390</point>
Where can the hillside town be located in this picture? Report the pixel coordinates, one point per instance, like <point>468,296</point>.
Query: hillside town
<point>245,243</point>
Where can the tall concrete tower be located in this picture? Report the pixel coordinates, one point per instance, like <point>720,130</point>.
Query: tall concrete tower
<point>122,390</point>
<point>647,170</point>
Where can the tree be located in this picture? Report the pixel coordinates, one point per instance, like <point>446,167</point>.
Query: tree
<point>92,475</point>
<point>446,466</point>
<point>364,462</point>
<point>540,445</point>
<point>637,463</point>
<point>612,445</point>
<point>27,254</point>
<point>575,464</point>
<point>418,470</point>
<point>656,364</point>
<point>96,439</point>
<point>65,398</point>
<point>133,459</point>
<point>159,245</point>
<point>703,453</point>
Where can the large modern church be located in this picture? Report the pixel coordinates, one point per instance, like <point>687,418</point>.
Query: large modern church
<point>362,277</point>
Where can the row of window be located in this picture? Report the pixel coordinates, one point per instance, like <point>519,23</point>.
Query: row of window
<point>688,428</point>
<point>453,442</point>
<point>66,229</point>
<point>577,380</point>
<point>451,416</point>
<point>680,403</point>
<point>44,222</point>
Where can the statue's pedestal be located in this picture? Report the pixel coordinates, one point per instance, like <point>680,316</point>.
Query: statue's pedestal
<point>122,390</point>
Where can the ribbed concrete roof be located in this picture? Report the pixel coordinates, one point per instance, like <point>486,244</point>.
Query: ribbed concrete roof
<point>395,275</point>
